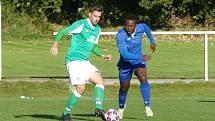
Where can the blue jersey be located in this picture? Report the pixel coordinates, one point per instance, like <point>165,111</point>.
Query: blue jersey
<point>130,47</point>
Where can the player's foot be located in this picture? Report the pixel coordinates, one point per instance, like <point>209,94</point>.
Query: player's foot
<point>100,113</point>
<point>121,111</point>
<point>66,117</point>
<point>148,112</point>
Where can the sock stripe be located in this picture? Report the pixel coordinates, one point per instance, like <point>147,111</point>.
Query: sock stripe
<point>100,86</point>
<point>68,109</point>
<point>99,102</point>
<point>76,93</point>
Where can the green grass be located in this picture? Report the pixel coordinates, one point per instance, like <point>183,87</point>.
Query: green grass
<point>170,102</point>
<point>27,55</point>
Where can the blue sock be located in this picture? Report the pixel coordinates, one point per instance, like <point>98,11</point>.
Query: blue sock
<point>122,98</point>
<point>145,90</point>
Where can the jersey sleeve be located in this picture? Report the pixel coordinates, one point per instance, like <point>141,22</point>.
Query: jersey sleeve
<point>121,44</point>
<point>147,30</point>
<point>97,51</point>
<point>75,28</point>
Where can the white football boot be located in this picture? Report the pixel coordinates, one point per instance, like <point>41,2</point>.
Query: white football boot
<point>148,112</point>
<point>121,111</point>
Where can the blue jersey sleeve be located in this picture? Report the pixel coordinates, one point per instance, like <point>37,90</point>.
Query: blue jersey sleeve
<point>123,49</point>
<point>147,30</point>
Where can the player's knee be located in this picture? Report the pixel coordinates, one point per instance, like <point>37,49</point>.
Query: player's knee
<point>99,81</point>
<point>96,78</point>
<point>80,89</point>
<point>125,86</point>
<point>142,78</point>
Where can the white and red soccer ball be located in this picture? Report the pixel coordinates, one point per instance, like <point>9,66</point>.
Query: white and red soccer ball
<point>112,115</point>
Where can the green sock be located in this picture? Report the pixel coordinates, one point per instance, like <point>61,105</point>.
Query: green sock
<point>73,99</point>
<point>99,96</point>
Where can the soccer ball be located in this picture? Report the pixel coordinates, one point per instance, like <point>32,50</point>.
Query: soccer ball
<point>112,115</point>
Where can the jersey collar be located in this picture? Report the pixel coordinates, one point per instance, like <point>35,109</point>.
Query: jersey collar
<point>132,35</point>
<point>88,20</point>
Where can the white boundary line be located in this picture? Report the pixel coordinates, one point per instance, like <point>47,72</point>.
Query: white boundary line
<point>166,32</point>
<point>130,98</point>
<point>0,46</point>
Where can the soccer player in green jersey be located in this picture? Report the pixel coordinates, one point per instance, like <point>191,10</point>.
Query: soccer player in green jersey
<point>84,40</point>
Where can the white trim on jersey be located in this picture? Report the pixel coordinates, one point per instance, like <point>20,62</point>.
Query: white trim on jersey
<point>88,20</point>
<point>77,30</point>
<point>132,35</point>
<point>97,39</point>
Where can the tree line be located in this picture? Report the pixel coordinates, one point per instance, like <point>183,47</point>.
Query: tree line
<point>157,13</point>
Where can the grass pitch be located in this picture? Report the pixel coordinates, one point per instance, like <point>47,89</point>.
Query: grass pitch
<point>170,102</point>
<point>175,58</point>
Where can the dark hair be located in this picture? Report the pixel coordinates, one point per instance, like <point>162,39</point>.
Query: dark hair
<point>95,7</point>
<point>130,16</point>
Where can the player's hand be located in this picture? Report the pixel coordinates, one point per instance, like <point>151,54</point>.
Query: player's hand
<point>54,49</point>
<point>153,47</point>
<point>146,57</point>
<point>107,57</point>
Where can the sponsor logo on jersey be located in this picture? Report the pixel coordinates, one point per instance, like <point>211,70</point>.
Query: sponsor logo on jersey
<point>91,39</point>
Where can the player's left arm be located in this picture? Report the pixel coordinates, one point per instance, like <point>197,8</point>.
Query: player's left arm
<point>147,30</point>
<point>97,51</point>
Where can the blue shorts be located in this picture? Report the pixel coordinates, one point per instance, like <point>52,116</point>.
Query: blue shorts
<point>125,73</point>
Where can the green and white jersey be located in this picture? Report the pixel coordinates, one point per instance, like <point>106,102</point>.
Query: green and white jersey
<point>84,38</point>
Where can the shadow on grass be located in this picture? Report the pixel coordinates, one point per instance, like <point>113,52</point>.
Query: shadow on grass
<point>84,117</point>
<point>92,115</point>
<point>54,117</point>
<point>77,116</point>
<point>206,101</point>
<point>44,116</point>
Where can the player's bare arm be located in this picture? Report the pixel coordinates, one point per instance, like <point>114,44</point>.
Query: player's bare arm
<point>54,48</point>
<point>153,47</point>
<point>146,57</point>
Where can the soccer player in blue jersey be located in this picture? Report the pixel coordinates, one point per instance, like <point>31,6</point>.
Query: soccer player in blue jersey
<point>132,60</point>
<point>84,40</point>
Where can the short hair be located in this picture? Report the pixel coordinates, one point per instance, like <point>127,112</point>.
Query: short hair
<point>95,7</point>
<point>130,16</point>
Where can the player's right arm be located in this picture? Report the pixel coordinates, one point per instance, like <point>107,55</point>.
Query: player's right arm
<point>54,48</point>
<point>75,28</point>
